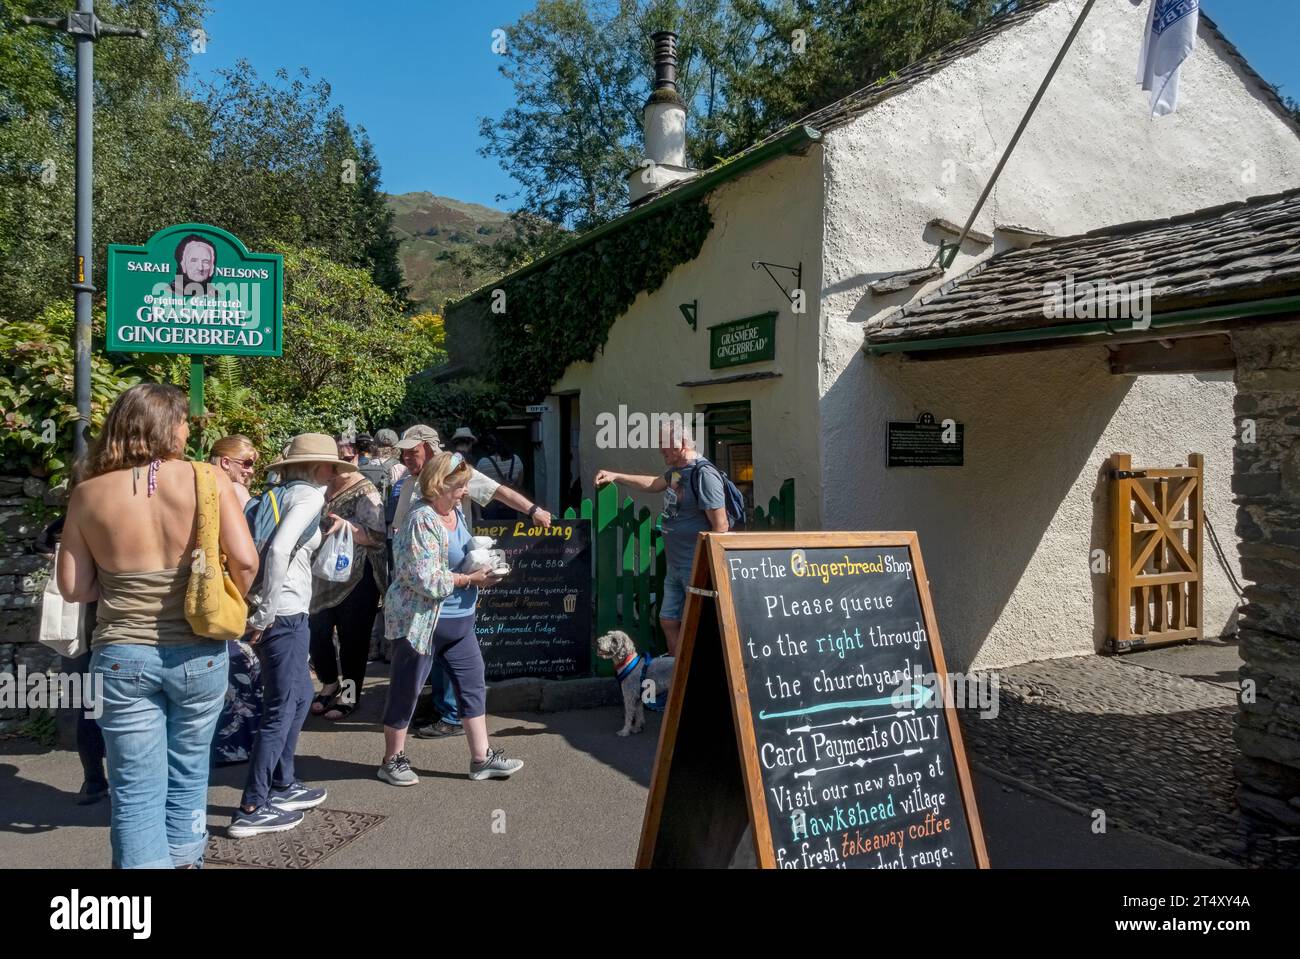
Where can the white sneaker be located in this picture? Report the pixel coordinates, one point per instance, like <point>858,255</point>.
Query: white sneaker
<point>397,771</point>
<point>495,766</point>
<point>265,818</point>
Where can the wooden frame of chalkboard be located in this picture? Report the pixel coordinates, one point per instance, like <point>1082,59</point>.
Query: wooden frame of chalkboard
<point>702,818</point>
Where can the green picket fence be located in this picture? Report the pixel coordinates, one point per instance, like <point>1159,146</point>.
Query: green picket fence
<point>628,564</point>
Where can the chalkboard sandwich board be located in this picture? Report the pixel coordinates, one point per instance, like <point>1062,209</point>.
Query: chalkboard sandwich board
<point>537,621</point>
<point>808,724</point>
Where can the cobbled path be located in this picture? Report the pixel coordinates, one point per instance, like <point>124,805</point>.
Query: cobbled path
<point>1153,750</point>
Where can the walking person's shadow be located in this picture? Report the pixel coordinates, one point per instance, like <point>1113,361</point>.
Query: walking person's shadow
<point>29,807</point>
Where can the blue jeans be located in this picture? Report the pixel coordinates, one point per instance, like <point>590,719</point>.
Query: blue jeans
<point>286,699</point>
<point>674,599</point>
<point>444,694</point>
<point>161,705</point>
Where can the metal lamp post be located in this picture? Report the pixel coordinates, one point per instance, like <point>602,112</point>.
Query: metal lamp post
<point>86,28</point>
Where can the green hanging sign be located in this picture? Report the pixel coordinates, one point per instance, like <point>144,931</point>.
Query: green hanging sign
<point>194,288</point>
<point>751,340</point>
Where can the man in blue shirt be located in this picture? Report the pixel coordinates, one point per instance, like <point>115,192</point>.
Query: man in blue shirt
<point>685,515</point>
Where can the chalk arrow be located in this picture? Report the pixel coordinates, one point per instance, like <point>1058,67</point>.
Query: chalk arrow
<point>813,772</point>
<point>853,721</point>
<point>919,696</point>
<point>905,752</point>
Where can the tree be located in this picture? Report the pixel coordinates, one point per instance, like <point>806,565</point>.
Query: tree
<point>144,137</point>
<point>286,164</point>
<point>265,160</point>
<point>808,53</point>
<point>582,71</point>
<point>569,137</point>
<point>348,350</point>
<point>36,409</point>
<point>524,238</point>
<point>472,402</point>
<point>275,162</point>
<point>373,222</point>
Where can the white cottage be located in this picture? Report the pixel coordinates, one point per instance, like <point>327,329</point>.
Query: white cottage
<point>841,216</point>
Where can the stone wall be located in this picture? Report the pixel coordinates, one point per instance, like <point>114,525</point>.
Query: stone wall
<point>1267,488</point>
<point>25,509</point>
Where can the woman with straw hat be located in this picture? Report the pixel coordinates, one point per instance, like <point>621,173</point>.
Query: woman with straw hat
<point>273,797</point>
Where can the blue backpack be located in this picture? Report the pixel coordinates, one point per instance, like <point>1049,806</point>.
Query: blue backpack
<point>394,497</point>
<point>734,498</point>
<point>263,514</point>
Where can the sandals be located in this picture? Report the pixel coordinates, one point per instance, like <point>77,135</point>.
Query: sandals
<point>322,702</point>
<point>344,710</point>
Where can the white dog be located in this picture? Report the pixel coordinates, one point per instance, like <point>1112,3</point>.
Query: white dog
<point>639,675</point>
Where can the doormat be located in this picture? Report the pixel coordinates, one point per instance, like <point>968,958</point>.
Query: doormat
<point>323,832</point>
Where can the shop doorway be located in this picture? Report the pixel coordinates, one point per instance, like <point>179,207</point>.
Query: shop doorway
<point>515,437</point>
<point>729,445</point>
<point>570,466</point>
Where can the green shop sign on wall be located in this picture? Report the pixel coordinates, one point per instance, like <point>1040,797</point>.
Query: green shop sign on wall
<point>194,288</point>
<point>751,340</point>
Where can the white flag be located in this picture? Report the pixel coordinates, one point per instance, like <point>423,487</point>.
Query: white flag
<point>1169,40</point>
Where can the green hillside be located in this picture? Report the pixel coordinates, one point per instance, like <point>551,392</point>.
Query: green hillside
<point>431,230</point>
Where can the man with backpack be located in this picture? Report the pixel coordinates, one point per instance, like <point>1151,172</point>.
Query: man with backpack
<point>377,468</point>
<point>698,498</point>
<point>285,522</point>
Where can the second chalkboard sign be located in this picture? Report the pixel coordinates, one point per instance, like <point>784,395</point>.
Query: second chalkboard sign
<point>537,621</point>
<point>848,754</point>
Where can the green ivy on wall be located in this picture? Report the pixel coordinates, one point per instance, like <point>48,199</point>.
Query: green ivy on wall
<point>448,406</point>
<point>562,314</point>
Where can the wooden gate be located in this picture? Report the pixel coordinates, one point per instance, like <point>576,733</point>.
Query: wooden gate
<point>1155,556</point>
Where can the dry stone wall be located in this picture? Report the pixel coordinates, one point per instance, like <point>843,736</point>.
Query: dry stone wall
<point>1267,487</point>
<point>27,505</point>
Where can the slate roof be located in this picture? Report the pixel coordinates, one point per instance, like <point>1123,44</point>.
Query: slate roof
<point>1223,255</point>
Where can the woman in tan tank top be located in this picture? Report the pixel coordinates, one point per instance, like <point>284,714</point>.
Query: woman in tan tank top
<point>127,543</point>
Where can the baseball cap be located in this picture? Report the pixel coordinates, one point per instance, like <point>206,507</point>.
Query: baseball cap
<point>416,435</point>
<point>386,438</point>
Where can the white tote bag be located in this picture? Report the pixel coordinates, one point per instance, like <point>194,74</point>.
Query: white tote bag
<point>334,560</point>
<point>61,621</point>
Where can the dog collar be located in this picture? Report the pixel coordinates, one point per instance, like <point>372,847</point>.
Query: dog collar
<point>625,668</point>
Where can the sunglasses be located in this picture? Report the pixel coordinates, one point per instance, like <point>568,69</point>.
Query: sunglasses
<point>246,464</point>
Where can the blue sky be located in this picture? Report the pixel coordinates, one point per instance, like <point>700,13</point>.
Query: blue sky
<point>417,74</point>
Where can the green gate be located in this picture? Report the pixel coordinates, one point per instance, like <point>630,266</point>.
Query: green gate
<point>628,564</point>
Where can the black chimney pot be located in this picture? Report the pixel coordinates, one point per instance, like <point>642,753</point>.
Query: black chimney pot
<point>665,60</point>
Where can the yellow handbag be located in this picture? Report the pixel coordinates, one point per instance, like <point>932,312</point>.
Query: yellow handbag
<point>213,606</point>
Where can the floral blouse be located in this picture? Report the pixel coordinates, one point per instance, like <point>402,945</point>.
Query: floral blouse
<point>421,579</point>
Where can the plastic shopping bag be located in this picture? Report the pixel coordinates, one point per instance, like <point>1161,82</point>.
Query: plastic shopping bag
<point>334,560</point>
<point>61,621</point>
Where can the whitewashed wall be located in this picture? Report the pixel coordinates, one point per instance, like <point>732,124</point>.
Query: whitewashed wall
<point>1006,538</point>
<point>773,213</point>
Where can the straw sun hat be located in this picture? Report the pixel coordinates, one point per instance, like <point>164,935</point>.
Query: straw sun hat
<point>312,448</point>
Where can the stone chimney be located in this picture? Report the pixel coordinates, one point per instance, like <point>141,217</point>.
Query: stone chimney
<point>665,127</point>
